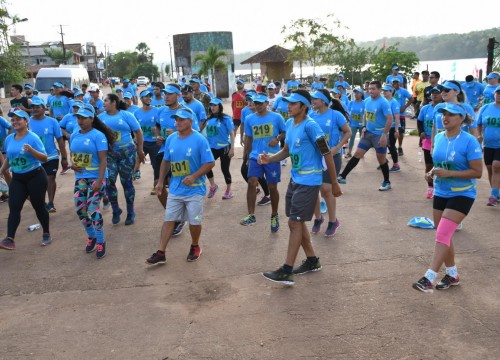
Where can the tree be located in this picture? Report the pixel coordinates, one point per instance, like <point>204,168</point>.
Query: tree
<point>58,56</point>
<point>385,59</point>
<point>146,69</point>
<point>123,64</point>
<point>211,60</point>
<point>314,42</point>
<point>167,70</point>
<point>11,63</point>
<point>353,62</point>
<point>143,55</point>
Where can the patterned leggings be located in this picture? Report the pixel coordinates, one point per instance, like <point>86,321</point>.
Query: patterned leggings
<point>121,162</point>
<point>87,208</point>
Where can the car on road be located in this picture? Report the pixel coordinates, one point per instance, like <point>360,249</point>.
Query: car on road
<point>142,80</point>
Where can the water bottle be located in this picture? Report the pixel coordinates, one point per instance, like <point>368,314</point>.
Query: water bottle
<point>419,154</point>
<point>34,227</point>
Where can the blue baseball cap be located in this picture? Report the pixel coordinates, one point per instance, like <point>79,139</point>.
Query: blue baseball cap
<point>119,89</point>
<point>37,101</point>
<point>240,81</point>
<point>78,93</point>
<point>387,88</point>
<point>196,80</point>
<point>437,88</point>
<point>86,111</point>
<point>216,101</point>
<point>395,67</point>
<point>78,104</point>
<point>497,89</point>
<point>76,87</point>
<point>453,109</point>
<point>183,113</point>
<point>358,89</point>
<point>128,95</point>
<point>58,84</point>
<point>336,91</point>
<point>125,80</point>
<point>170,89</point>
<point>28,86</point>
<point>341,75</point>
<point>259,98</point>
<point>295,97</point>
<point>146,93</point>
<point>451,86</point>
<point>493,75</point>
<point>20,113</point>
<point>321,96</point>
<point>249,94</point>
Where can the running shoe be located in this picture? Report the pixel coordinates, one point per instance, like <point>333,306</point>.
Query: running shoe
<point>7,244</point>
<point>156,259</point>
<point>379,167</point>
<point>137,175</point>
<point>194,253</point>
<point>400,151</point>
<point>212,191</point>
<point>447,281</point>
<point>46,239</point>
<point>64,171</point>
<point>50,207</point>
<point>179,226</point>
<point>347,156</point>
<point>395,168</point>
<point>266,200</point>
<point>307,266</point>
<point>106,204</point>
<point>227,195</point>
<point>424,285</point>
<point>341,180</point>
<point>248,220</point>
<point>153,191</point>
<point>275,223</point>
<point>492,201</point>
<point>90,245</point>
<point>317,225</point>
<point>280,276</point>
<point>101,250</point>
<point>116,217</point>
<point>385,185</point>
<point>322,206</point>
<point>4,198</point>
<point>430,192</point>
<point>283,162</point>
<point>332,228</point>
<point>130,219</point>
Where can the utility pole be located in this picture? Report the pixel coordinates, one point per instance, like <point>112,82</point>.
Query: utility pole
<point>492,45</point>
<point>62,40</point>
<point>171,60</point>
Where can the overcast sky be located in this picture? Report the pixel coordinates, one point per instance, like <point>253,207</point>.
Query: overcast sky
<point>256,25</point>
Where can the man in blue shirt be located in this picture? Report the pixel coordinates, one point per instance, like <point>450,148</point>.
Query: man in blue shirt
<point>405,99</point>
<point>341,81</point>
<point>474,92</point>
<point>395,75</point>
<point>377,121</point>
<point>189,158</point>
<point>292,84</point>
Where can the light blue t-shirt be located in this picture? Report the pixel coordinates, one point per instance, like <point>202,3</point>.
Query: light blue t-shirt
<point>489,94</point>
<point>489,118</point>
<point>122,124</point>
<point>48,130</point>
<point>426,116</point>
<point>59,106</point>
<point>317,85</point>
<point>344,84</point>
<point>473,93</point>
<point>356,110</point>
<point>85,152</point>
<point>4,129</point>
<point>281,107</point>
<point>307,162</point>
<point>262,129</point>
<point>391,77</point>
<point>98,104</point>
<point>395,109</point>
<point>455,154</point>
<point>166,123</point>
<point>20,161</point>
<point>438,117</point>
<point>199,111</point>
<point>218,131</point>
<point>186,156</point>
<point>244,113</point>
<point>133,108</point>
<point>401,95</point>
<point>292,84</point>
<point>330,122</point>
<point>375,114</point>
<point>147,121</point>
<point>69,122</point>
<point>158,103</point>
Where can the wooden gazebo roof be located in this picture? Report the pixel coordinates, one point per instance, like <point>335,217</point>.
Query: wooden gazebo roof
<point>273,54</point>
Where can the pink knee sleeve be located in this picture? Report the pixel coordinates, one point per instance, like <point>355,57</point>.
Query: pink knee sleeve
<point>445,231</point>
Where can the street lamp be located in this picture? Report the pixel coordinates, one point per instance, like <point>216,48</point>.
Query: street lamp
<point>15,20</point>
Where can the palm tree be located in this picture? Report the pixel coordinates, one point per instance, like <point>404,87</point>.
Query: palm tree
<point>210,61</point>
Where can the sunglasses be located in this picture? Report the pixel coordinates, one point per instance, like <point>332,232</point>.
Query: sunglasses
<point>258,103</point>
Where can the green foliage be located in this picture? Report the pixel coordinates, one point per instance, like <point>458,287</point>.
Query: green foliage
<point>57,55</point>
<point>144,54</point>
<point>123,64</point>
<point>353,61</point>
<point>167,69</point>
<point>146,69</point>
<point>11,65</point>
<point>314,42</point>
<point>211,60</point>
<point>384,60</point>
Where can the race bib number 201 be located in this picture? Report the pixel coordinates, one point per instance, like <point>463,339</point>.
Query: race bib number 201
<point>180,168</point>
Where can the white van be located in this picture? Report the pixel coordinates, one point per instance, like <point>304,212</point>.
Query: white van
<point>68,75</point>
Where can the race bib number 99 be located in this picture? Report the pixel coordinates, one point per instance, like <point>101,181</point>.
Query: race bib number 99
<point>180,168</point>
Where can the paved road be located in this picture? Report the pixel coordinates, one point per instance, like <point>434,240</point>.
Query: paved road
<point>59,303</point>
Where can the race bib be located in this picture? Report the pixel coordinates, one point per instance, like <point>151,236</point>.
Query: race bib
<point>370,116</point>
<point>82,160</point>
<point>19,163</point>
<point>357,117</point>
<point>180,168</point>
<point>212,131</point>
<point>262,131</point>
<point>493,122</point>
<point>296,160</point>
<point>118,136</point>
<point>147,130</point>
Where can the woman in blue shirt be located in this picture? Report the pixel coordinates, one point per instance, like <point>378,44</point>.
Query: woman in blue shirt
<point>121,160</point>
<point>356,110</point>
<point>89,148</point>
<point>25,154</point>
<point>457,158</point>
<point>220,135</point>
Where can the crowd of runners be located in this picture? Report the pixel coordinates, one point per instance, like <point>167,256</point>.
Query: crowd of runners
<point>183,129</point>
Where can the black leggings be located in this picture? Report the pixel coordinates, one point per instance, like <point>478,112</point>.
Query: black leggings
<point>225,161</point>
<point>392,146</point>
<point>262,180</point>
<point>34,185</point>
